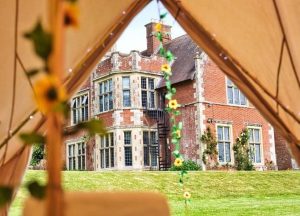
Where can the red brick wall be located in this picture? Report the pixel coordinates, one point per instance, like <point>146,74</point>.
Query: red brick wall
<point>107,118</point>
<point>282,154</point>
<point>185,97</point>
<point>215,91</point>
<point>89,148</point>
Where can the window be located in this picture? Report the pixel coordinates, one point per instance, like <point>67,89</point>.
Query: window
<point>106,95</point>
<point>150,148</point>
<point>234,95</point>
<point>127,148</point>
<point>126,91</point>
<point>79,109</point>
<point>148,98</point>
<point>76,156</point>
<point>224,149</point>
<point>107,154</point>
<point>255,144</point>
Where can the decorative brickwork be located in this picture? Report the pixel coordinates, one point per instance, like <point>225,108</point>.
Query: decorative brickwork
<point>201,90</point>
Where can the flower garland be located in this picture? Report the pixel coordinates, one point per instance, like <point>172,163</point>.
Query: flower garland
<point>171,108</point>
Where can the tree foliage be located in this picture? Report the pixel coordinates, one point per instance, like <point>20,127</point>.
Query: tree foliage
<point>242,154</point>
<point>37,154</point>
<point>210,153</point>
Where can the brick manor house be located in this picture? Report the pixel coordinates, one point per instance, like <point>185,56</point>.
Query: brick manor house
<point>127,92</point>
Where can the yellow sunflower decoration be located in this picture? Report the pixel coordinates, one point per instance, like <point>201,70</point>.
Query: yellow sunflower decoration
<point>158,27</point>
<point>49,93</point>
<point>178,162</point>
<point>173,104</point>
<point>166,69</point>
<point>187,195</point>
<point>178,133</point>
<point>71,12</point>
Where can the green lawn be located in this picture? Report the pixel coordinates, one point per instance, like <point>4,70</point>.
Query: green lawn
<point>213,193</point>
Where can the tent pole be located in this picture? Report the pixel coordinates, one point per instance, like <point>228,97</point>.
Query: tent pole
<point>54,119</point>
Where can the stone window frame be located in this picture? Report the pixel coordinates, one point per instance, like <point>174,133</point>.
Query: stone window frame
<point>230,140</point>
<point>77,111</point>
<point>148,90</point>
<point>250,127</point>
<point>107,151</point>
<point>148,145</point>
<point>126,89</point>
<point>105,92</point>
<point>128,156</point>
<point>76,155</point>
<point>233,88</point>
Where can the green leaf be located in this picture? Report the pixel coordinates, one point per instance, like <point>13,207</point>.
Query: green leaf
<point>159,36</point>
<point>63,108</point>
<point>169,96</point>
<point>6,194</point>
<point>176,112</point>
<point>93,126</point>
<point>42,41</point>
<point>168,84</point>
<point>174,141</point>
<point>169,56</point>
<point>32,138</point>
<point>180,180</point>
<point>173,90</point>
<point>32,72</point>
<point>162,16</point>
<point>162,51</point>
<point>180,125</point>
<point>176,153</point>
<point>36,189</point>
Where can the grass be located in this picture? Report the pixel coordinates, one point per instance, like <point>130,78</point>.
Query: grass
<point>213,193</point>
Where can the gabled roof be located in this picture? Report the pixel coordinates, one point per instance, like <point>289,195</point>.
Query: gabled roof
<point>183,68</point>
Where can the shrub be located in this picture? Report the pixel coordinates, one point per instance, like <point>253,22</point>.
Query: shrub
<point>186,165</point>
<point>210,153</point>
<point>37,154</point>
<point>242,152</point>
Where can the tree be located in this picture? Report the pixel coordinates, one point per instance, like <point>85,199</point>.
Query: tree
<point>210,153</point>
<point>242,153</point>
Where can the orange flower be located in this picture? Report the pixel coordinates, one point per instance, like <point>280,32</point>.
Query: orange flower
<point>71,15</point>
<point>49,93</point>
<point>167,69</point>
<point>178,133</point>
<point>158,27</point>
<point>178,162</point>
<point>173,104</point>
<point>187,195</point>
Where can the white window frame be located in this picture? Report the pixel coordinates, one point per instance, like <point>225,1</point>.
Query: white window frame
<point>76,155</point>
<point>127,146</point>
<point>78,109</point>
<point>110,148</point>
<point>149,147</point>
<point>261,144</point>
<point>126,89</point>
<point>148,92</point>
<point>227,98</point>
<point>231,142</point>
<point>103,94</point>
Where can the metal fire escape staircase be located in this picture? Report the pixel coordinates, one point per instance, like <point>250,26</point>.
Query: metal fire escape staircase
<point>162,150</point>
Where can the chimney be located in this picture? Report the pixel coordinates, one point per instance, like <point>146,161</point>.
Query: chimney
<point>152,41</point>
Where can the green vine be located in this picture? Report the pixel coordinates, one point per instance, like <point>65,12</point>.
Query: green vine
<point>171,108</point>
